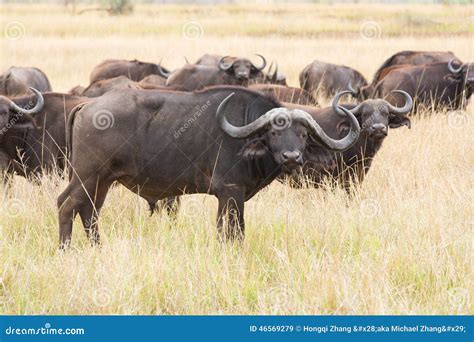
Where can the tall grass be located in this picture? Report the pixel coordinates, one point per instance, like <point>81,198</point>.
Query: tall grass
<point>401,245</point>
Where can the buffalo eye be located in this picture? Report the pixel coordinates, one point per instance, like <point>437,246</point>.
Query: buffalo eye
<point>273,133</point>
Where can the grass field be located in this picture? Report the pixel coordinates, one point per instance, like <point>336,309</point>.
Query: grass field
<point>402,245</point>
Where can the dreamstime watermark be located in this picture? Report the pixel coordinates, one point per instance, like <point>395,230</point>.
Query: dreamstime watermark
<point>102,297</point>
<point>14,207</point>
<point>458,297</point>
<point>14,30</point>
<point>370,30</point>
<point>192,30</point>
<point>198,111</point>
<point>369,208</point>
<point>103,119</point>
<point>16,118</point>
<point>47,329</point>
<point>281,121</point>
<point>279,298</point>
<point>192,208</point>
<point>458,119</point>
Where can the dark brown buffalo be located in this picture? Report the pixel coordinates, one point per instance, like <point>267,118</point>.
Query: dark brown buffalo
<point>435,85</point>
<point>153,80</point>
<point>271,76</point>
<point>403,59</point>
<point>134,70</point>
<point>286,94</point>
<point>77,90</point>
<point>413,58</point>
<point>375,117</point>
<point>166,143</point>
<point>32,132</point>
<point>210,59</point>
<point>326,79</point>
<point>17,81</point>
<point>228,71</point>
<point>101,87</point>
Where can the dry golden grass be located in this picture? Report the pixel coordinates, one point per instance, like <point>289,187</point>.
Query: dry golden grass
<point>402,245</point>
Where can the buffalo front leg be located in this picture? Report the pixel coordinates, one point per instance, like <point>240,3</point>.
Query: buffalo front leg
<point>230,215</point>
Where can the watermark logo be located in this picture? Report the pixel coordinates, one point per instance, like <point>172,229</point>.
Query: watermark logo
<point>103,120</point>
<point>370,30</point>
<point>102,297</point>
<point>369,208</point>
<point>198,111</point>
<point>458,297</point>
<point>14,30</point>
<point>14,208</point>
<point>192,208</point>
<point>281,121</point>
<point>192,30</point>
<point>458,119</point>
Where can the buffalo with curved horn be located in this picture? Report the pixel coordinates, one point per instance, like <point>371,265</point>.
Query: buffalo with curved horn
<point>32,132</point>
<point>436,85</point>
<point>157,148</point>
<point>375,117</point>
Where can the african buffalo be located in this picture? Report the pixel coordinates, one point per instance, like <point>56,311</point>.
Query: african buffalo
<point>414,58</point>
<point>226,141</point>
<point>286,94</point>
<point>435,85</point>
<point>272,76</point>
<point>326,79</point>
<point>228,71</point>
<point>375,117</point>
<point>34,139</point>
<point>99,88</point>
<point>403,59</point>
<point>77,90</point>
<point>134,70</point>
<point>153,80</point>
<point>17,81</point>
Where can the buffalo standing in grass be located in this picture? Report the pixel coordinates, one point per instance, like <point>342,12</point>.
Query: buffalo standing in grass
<point>226,141</point>
<point>326,79</point>
<point>32,132</point>
<point>435,85</point>
<point>18,80</point>
<point>403,59</point>
<point>271,76</point>
<point>134,70</point>
<point>228,71</point>
<point>375,117</point>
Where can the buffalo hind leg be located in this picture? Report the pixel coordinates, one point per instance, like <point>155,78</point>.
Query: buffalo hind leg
<point>85,198</point>
<point>230,215</point>
<point>89,212</point>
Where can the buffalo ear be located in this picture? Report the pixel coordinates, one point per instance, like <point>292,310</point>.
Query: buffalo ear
<point>253,149</point>
<point>343,126</point>
<point>398,121</point>
<point>453,78</point>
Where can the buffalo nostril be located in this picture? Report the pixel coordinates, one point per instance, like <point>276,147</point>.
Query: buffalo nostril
<point>291,156</point>
<point>379,127</point>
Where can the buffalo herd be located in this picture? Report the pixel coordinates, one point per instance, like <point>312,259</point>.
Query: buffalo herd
<point>224,125</point>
